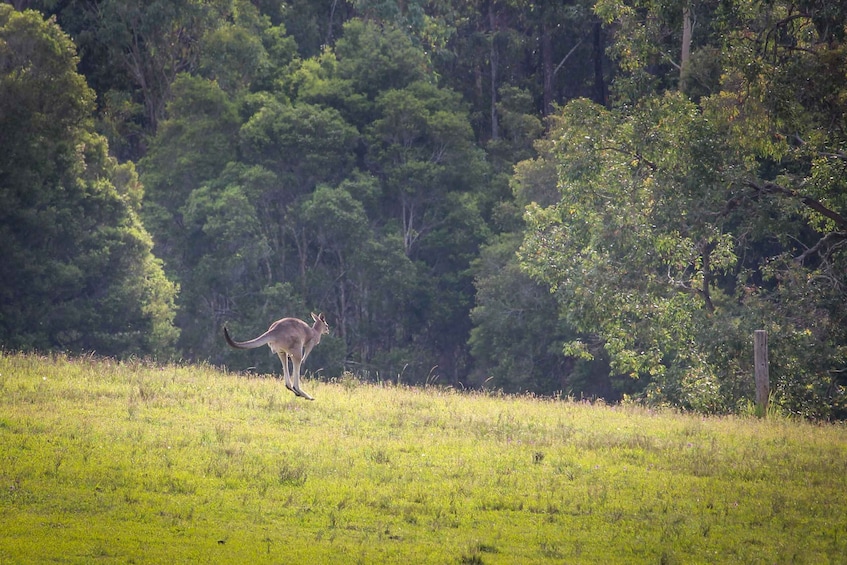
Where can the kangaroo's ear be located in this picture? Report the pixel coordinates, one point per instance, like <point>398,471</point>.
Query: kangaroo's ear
<point>314,316</point>
<point>321,316</point>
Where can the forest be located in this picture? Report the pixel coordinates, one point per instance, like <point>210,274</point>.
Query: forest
<point>600,200</point>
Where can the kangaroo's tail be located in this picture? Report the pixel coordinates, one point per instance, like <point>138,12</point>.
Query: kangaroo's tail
<point>251,344</point>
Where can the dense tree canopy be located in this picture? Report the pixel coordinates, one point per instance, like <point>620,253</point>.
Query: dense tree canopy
<point>78,272</point>
<point>426,173</point>
<point>683,225</point>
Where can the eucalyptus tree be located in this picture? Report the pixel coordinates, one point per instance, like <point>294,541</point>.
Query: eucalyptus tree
<point>419,181</point>
<point>682,225</point>
<point>78,273</point>
<point>155,41</point>
<point>517,336</point>
<point>421,147</point>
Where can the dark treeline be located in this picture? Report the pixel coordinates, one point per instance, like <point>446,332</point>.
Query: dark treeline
<point>595,199</point>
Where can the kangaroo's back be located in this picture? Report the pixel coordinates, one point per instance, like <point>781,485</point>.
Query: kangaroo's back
<point>290,335</point>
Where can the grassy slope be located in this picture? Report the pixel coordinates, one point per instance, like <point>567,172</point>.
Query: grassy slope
<point>110,462</point>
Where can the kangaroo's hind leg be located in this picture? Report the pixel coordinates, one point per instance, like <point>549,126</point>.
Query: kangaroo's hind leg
<point>296,362</point>
<point>283,356</point>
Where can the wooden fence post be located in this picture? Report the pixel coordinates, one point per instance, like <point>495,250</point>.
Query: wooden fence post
<point>760,371</point>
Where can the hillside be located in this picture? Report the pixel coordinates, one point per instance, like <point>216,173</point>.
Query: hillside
<point>138,463</point>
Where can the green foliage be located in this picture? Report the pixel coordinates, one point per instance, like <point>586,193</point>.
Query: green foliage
<point>302,143</point>
<point>340,168</point>
<point>78,270</point>
<point>317,81</point>
<point>361,193</point>
<point>377,58</point>
<point>357,158</point>
<point>152,43</point>
<point>245,50</point>
<point>607,218</point>
<point>681,226</point>
<point>192,146</point>
<point>421,146</point>
<point>234,57</point>
<point>191,464</point>
<point>638,253</point>
<point>516,329</point>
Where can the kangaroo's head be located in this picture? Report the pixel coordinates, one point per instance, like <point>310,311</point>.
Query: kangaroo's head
<point>320,323</point>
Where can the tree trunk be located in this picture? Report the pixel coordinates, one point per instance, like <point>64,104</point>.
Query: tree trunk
<point>547,67</point>
<point>706,256</point>
<point>686,46</point>
<point>599,82</point>
<point>493,63</point>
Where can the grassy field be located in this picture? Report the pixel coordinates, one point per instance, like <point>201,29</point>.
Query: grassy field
<point>113,462</point>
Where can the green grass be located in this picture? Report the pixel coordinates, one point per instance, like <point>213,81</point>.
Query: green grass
<point>131,462</point>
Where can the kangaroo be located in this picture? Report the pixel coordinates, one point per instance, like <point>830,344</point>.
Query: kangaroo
<point>289,338</point>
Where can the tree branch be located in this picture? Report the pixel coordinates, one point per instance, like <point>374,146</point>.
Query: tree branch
<point>773,188</point>
<point>559,66</point>
<point>635,155</point>
<point>706,248</point>
<point>825,242</point>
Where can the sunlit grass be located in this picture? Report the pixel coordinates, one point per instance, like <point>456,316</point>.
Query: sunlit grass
<point>134,462</point>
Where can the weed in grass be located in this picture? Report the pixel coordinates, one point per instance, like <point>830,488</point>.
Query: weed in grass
<point>472,559</point>
<point>292,474</point>
<point>475,555</point>
<point>378,456</point>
